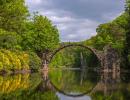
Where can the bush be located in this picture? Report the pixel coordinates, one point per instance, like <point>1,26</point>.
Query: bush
<point>10,60</point>
<point>35,61</point>
<point>9,40</point>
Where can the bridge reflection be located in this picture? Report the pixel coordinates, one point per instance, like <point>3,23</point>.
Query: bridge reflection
<point>107,84</point>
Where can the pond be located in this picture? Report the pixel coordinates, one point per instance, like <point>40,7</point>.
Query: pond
<point>65,84</point>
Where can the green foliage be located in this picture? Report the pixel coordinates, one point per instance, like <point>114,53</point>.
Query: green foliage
<point>114,34</point>
<point>9,40</point>
<point>12,15</point>
<point>71,57</point>
<point>13,60</point>
<point>49,95</point>
<point>18,32</point>
<point>120,93</point>
<point>17,60</point>
<point>23,87</point>
<point>41,35</point>
<point>70,81</point>
<point>128,30</point>
<point>63,58</point>
<point>110,33</point>
<point>35,61</point>
<point>115,96</point>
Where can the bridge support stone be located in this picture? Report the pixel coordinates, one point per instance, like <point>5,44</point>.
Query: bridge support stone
<point>45,61</point>
<point>111,60</point>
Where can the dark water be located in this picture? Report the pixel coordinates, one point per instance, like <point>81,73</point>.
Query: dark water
<point>66,84</point>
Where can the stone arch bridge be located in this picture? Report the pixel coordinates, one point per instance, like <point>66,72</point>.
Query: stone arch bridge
<point>108,58</point>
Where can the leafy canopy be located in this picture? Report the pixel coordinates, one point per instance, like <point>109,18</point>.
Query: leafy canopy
<point>40,34</point>
<point>12,15</point>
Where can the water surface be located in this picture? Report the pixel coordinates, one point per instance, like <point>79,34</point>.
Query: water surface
<point>65,84</point>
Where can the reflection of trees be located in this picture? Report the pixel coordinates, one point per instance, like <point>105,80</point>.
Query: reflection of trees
<point>12,83</point>
<point>110,88</point>
<point>68,81</point>
<point>23,87</point>
<point>107,84</point>
<point>107,88</point>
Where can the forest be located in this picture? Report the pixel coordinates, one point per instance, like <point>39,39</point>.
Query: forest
<point>25,36</point>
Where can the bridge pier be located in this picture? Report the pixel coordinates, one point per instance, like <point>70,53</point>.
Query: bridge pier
<point>111,60</point>
<point>44,61</point>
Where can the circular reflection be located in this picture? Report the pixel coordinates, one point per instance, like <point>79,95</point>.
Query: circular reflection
<point>73,83</point>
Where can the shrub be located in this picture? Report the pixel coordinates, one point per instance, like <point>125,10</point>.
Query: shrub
<point>17,60</point>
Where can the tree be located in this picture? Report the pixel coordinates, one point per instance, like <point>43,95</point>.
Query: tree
<point>128,30</point>
<point>9,40</point>
<point>40,35</point>
<point>12,15</point>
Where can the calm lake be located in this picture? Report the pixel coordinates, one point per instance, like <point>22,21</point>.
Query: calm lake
<point>65,84</point>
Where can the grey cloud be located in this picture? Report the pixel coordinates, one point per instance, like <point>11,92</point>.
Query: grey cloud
<point>77,30</point>
<point>77,19</point>
<point>92,9</point>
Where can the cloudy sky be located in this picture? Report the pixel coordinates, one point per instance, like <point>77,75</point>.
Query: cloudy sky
<point>77,19</point>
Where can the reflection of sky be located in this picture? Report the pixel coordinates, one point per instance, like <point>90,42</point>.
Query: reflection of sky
<point>63,97</point>
<point>77,19</point>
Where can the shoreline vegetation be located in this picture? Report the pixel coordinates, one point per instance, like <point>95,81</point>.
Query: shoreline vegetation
<point>18,61</point>
<point>25,36</point>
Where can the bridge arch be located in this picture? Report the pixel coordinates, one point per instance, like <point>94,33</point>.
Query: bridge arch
<point>94,51</point>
